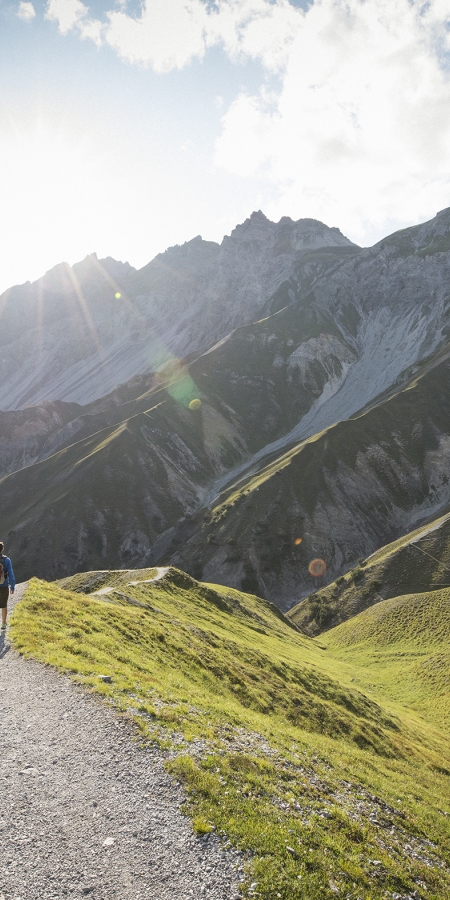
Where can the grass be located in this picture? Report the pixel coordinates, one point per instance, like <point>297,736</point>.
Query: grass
<point>404,643</point>
<point>329,787</point>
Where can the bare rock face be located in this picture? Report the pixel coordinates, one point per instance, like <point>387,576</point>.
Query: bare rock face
<point>25,433</point>
<point>79,331</point>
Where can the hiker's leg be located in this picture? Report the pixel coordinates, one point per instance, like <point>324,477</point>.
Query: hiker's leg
<point>4,597</point>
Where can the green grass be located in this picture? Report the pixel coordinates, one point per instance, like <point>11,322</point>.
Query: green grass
<point>404,644</point>
<point>326,784</point>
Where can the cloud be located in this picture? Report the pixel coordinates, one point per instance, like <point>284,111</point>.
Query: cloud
<point>26,11</point>
<point>74,15</point>
<point>259,29</point>
<point>359,130</point>
<point>168,34</point>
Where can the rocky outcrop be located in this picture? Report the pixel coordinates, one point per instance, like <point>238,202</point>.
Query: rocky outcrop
<point>25,433</point>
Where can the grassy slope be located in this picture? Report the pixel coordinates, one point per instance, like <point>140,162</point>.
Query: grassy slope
<point>419,561</point>
<point>401,648</point>
<point>326,786</point>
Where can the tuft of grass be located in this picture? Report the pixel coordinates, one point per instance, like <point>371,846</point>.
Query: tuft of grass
<point>325,784</point>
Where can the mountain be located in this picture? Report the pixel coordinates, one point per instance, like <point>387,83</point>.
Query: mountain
<point>418,561</point>
<point>324,419</point>
<point>79,331</point>
<point>342,494</point>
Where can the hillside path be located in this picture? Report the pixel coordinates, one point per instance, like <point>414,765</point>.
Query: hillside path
<point>84,812</point>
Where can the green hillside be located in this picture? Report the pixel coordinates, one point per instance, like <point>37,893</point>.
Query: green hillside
<point>401,648</point>
<point>419,561</point>
<point>330,786</point>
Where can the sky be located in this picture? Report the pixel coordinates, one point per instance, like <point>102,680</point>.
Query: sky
<point>128,127</point>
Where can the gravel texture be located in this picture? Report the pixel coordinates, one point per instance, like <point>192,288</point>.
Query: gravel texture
<point>84,812</point>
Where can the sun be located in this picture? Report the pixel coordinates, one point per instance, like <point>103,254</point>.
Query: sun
<point>52,184</point>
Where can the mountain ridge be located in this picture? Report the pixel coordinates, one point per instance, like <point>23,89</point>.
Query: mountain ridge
<point>78,331</point>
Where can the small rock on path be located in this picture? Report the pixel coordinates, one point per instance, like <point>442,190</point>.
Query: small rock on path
<point>84,812</point>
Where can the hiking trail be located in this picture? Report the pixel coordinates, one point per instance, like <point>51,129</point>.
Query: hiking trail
<point>85,811</point>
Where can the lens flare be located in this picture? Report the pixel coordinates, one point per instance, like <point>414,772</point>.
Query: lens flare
<point>183,390</point>
<point>195,404</point>
<point>167,368</point>
<point>118,295</point>
<point>317,567</point>
<point>298,541</point>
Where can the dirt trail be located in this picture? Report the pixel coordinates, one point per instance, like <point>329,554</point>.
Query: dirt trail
<point>84,812</point>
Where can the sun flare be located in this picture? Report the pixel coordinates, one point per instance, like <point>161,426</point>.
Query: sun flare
<point>51,184</point>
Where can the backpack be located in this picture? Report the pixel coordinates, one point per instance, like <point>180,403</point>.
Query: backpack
<point>3,572</point>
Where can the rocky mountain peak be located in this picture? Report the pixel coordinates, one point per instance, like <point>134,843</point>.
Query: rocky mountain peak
<point>284,237</point>
<point>71,338</point>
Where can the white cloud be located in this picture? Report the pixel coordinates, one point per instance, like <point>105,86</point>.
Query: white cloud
<point>360,129</point>
<point>255,28</point>
<point>167,35</point>
<point>73,14</point>
<point>170,33</point>
<point>26,11</point>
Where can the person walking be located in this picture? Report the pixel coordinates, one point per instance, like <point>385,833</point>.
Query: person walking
<point>7,583</point>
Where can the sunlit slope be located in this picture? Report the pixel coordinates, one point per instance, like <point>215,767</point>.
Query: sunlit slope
<point>344,493</point>
<point>419,561</point>
<point>401,648</point>
<point>242,645</point>
<point>327,786</point>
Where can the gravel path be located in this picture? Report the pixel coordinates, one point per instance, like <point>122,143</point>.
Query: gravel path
<point>83,811</point>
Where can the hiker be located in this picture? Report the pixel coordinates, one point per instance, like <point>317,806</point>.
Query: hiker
<point>7,583</point>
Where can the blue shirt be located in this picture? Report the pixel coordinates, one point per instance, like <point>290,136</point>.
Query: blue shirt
<point>10,580</point>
